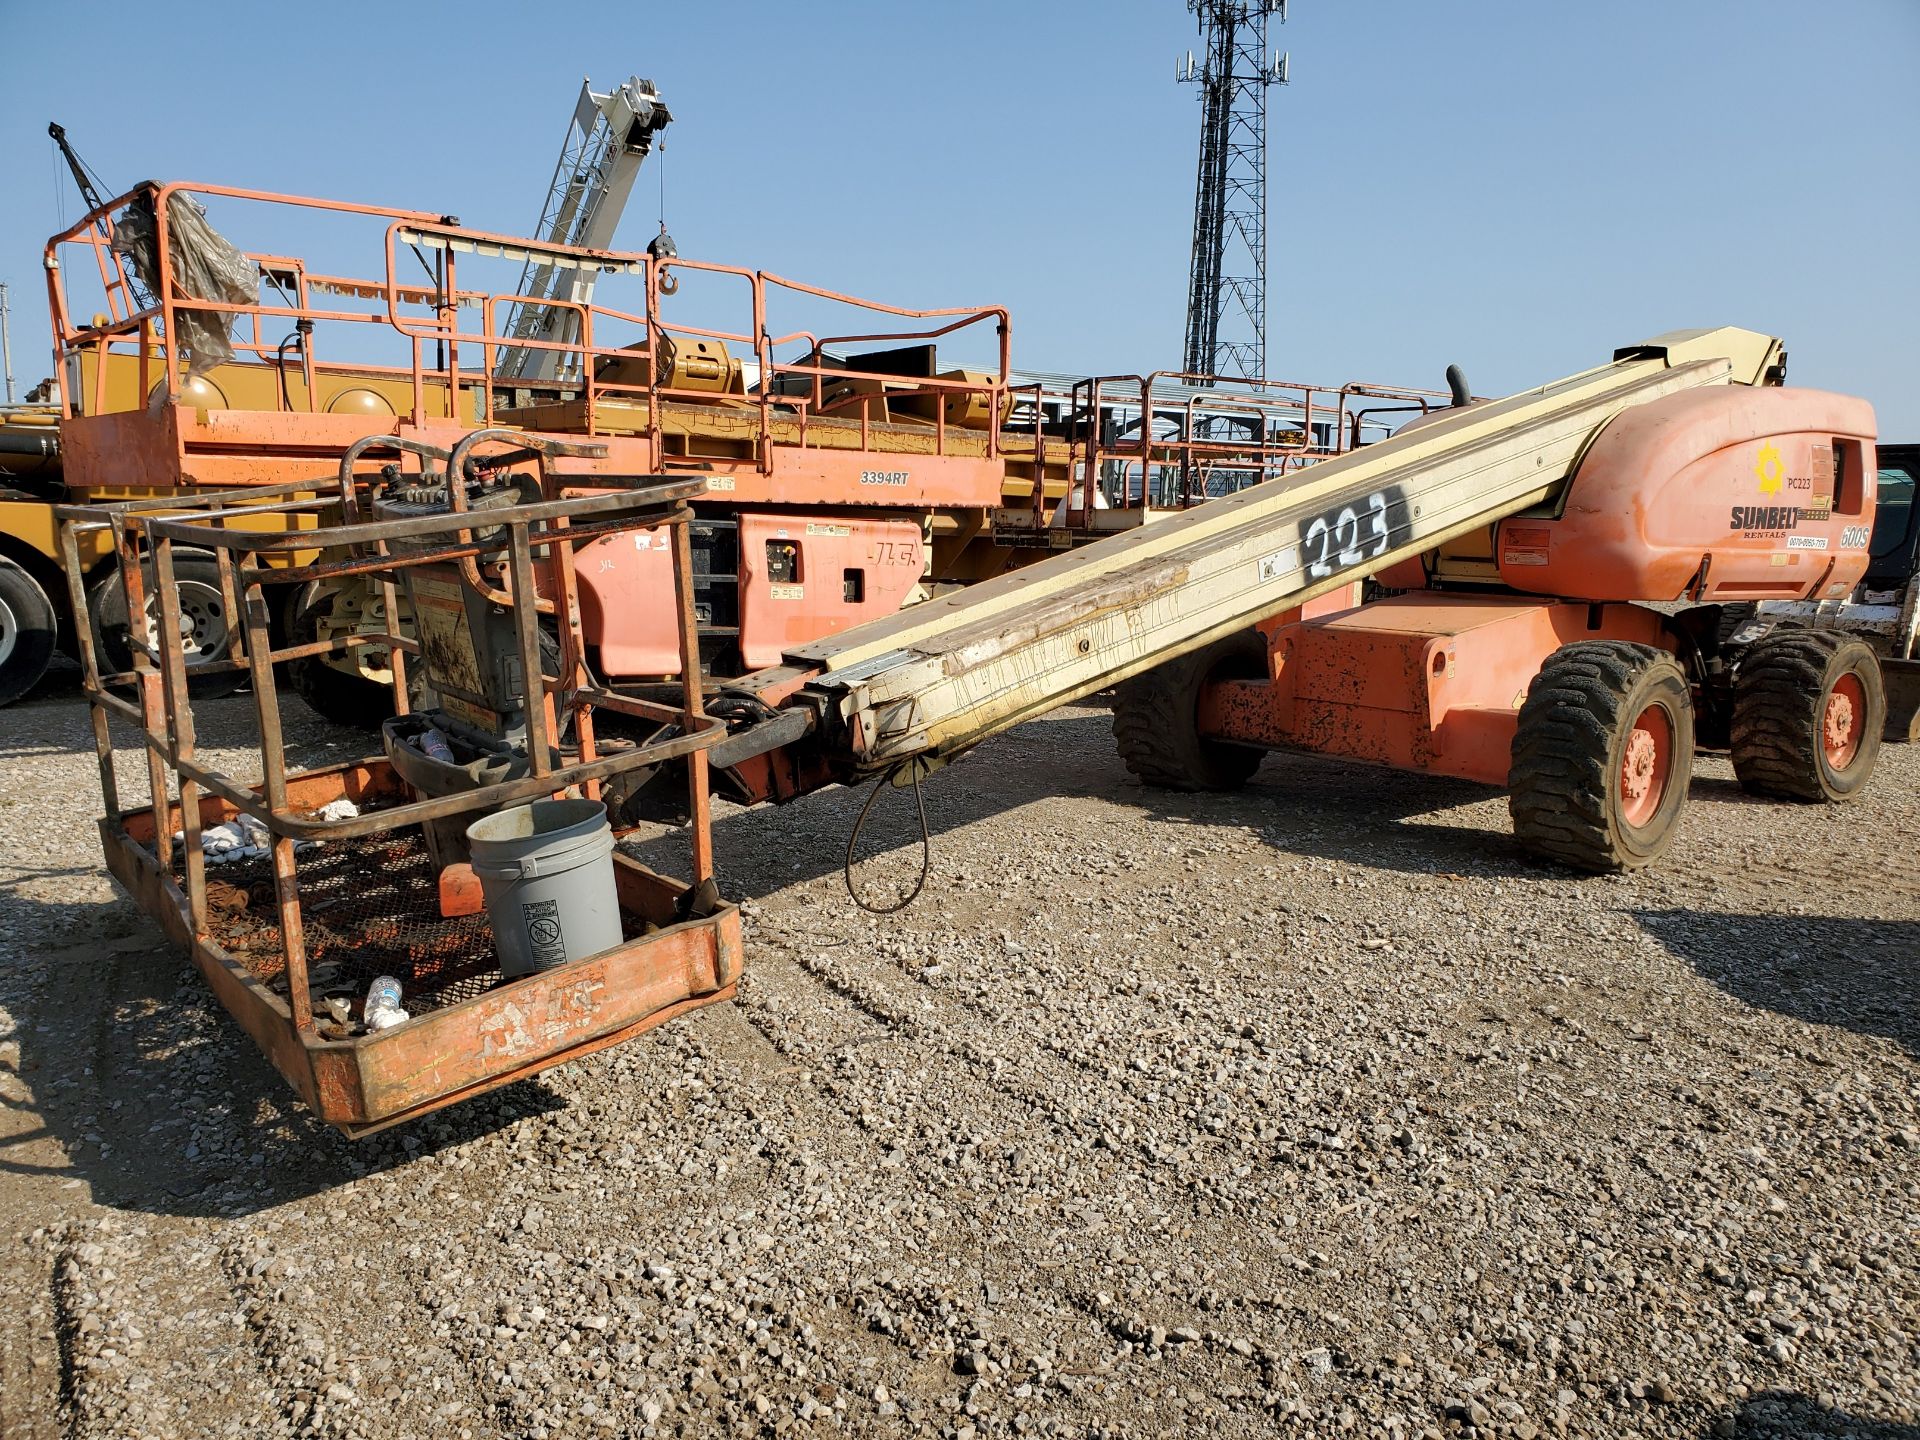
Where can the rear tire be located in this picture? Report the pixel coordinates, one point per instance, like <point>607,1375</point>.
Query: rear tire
<point>356,702</point>
<point>1809,707</point>
<point>29,632</point>
<point>1602,756</point>
<point>1156,720</point>
<point>352,701</point>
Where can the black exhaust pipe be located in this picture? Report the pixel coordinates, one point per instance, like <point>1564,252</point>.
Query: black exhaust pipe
<point>35,442</point>
<point>28,450</point>
<point>1457,387</point>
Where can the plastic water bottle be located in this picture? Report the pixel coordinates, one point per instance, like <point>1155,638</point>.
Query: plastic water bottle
<point>383,1009</point>
<point>434,745</point>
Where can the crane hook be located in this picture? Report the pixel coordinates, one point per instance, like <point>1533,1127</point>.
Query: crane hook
<point>661,248</point>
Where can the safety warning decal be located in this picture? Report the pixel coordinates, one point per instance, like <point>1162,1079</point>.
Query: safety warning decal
<point>544,935</point>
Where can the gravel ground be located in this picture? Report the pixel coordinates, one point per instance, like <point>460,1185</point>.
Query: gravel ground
<point>1309,1110</point>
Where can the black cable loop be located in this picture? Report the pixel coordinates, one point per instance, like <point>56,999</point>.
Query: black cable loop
<point>926,843</point>
<point>736,699</point>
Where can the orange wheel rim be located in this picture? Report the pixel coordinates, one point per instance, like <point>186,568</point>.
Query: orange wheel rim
<point>1646,764</point>
<point>1840,721</point>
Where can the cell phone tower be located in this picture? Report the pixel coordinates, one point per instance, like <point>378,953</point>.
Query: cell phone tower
<point>1227,285</point>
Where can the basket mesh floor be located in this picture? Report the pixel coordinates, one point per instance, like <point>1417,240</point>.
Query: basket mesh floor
<point>369,908</point>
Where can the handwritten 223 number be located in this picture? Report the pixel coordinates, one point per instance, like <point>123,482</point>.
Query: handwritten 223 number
<point>1353,533</point>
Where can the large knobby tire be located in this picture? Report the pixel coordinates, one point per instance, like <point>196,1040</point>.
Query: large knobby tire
<point>207,630</point>
<point>1602,756</point>
<point>1156,721</point>
<point>1808,709</point>
<point>29,632</point>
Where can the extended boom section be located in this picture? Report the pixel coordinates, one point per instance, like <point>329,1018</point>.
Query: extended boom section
<point>942,676</point>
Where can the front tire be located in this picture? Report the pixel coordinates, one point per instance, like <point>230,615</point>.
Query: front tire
<point>208,629</point>
<point>1602,756</point>
<point>1156,719</point>
<point>29,632</point>
<point>1808,710</point>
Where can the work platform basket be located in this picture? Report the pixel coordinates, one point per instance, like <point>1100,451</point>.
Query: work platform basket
<point>286,936</point>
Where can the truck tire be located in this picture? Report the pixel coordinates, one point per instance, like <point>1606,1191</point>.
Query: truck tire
<point>197,575</point>
<point>1156,722</point>
<point>1808,710</point>
<point>1602,756</point>
<point>29,631</point>
<point>347,700</point>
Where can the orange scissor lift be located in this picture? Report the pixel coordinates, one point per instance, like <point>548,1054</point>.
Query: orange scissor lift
<point>846,470</point>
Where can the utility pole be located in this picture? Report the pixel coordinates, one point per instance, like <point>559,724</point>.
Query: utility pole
<point>6,339</point>
<point>1227,282</point>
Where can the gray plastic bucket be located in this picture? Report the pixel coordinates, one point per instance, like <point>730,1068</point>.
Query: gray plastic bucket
<point>547,871</point>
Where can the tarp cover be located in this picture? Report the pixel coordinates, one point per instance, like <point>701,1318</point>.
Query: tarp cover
<point>204,265</point>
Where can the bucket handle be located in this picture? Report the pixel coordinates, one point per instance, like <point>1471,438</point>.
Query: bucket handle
<point>532,867</point>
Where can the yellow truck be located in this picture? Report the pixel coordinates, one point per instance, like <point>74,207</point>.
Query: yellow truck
<point>36,612</point>
<point>33,612</point>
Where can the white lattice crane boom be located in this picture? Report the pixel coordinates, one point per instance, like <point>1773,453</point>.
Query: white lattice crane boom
<point>609,137</point>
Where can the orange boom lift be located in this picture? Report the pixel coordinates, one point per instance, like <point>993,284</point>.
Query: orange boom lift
<point>1577,654</point>
<point>1553,579</point>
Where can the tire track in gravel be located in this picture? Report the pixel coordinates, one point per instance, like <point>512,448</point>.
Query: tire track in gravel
<point>64,1281</point>
<point>930,1115</point>
<point>1136,1018</point>
<point>1053,1072</point>
<point>1835,873</point>
<point>116,1345</point>
<point>880,1303</point>
<point>1132,1018</point>
<point>1174,1197</point>
<point>803,1147</point>
<point>965,1060</point>
<point>33,1364</point>
<point>317,1380</point>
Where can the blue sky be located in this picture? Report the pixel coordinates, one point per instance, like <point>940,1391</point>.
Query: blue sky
<point>1513,184</point>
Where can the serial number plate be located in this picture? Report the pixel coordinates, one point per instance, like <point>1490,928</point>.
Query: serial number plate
<point>1280,563</point>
